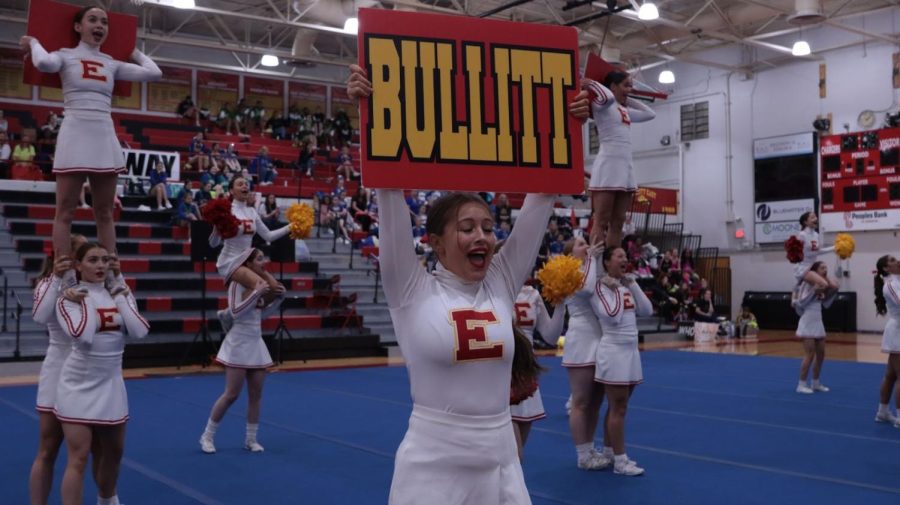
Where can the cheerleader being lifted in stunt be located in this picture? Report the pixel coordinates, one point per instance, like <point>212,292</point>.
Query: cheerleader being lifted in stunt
<point>811,331</point>
<point>243,353</point>
<point>87,146</point>
<point>237,249</point>
<point>612,183</point>
<point>812,247</point>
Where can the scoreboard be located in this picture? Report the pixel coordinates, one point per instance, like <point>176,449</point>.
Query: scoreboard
<point>860,180</point>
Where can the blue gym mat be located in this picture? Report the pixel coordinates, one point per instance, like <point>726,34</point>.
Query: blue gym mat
<point>708,428</point>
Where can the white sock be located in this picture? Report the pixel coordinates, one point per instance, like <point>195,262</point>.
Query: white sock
<point>113,500</point>
<point>883,408</point>
<point>211,427</point>
<point>252,429</point>
<point>816,382</point>
<point>584,450</point>
<point>803,384</point>
<point>621,459</point>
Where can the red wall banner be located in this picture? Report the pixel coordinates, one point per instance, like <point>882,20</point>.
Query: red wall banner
<point>268,91</point>
<point>165,94</point>
<point>469,104</point>
<point>51,23</point>
<point>216,88</point>
<point>662,200</point>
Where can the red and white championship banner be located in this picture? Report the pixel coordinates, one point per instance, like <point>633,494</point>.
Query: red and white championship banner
<point>469,104</point>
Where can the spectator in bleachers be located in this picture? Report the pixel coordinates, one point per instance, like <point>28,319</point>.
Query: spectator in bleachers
<point>359,207</point>
<point>198,153</point>
<point>187,210</point>
<point>214,176</point>
<point>261,166</point>
<point>256,116</point>
<point>345,165</point>
<point>4,124</point>
<point>188,110</point>
<point>277,124</point>
<point>744,321</point>
<point>704,307</point>
<point>269,212</point>
<point>326,216</point>
<point>340,190</point>
<point>24,152</point>
<point>306,160</point>
<point>343,128</point>
<point>5,153</point>
<point>502,210</point>
<point>225,119</point>
<point>502,231</point>
<point>241,116</point>
<point>51,127</point>
<point>231,160</point>
<point>204,194</point>
<point>159,186</point>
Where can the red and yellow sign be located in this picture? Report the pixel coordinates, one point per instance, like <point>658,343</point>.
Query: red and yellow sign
<point>51,23</point>
<point>215,89</point>
<point>469,104</point>
<point>662,200</point>
<point>11,85</point>
<point>268,91</point>
<point>165,95</point>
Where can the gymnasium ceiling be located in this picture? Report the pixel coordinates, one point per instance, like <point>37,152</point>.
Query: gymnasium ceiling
<point>307,34</point>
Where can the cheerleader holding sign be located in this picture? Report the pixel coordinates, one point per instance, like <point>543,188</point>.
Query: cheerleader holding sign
<point>87,146</point>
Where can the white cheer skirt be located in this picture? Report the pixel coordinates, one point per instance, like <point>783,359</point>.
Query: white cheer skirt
<point>580,349</point>
<point>890,340</point>
<point>240,350</point>
<point>87,144</point>
<point>227,266</point>
<point>49,378</point>
<point>91,390</point>
<point>612,170</point>
<point>529,409</point>
<point>618,363</point>
<point>453,459</point>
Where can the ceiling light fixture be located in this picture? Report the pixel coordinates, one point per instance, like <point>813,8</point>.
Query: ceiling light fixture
<point>648,11</point>
<point>667,77</point>
<point>351,25</point>
<point>269,60</point>
<point>801,48</point>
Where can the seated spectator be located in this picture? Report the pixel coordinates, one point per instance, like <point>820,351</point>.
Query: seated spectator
<point>225,118</point>
<point>277,124</point>
<point>204,194</point>
<point>345,165</point>
<point>745,321</point>
<point>502,232</point>
<point>214,176</point>
<point>231,160</point>
<point>339,191</point>
<point>306,161</point>
<point>5,153</point>
<point>198,153</point>
<point>502,210</point>
<point>204,113</point>
<point>359,208</point>
<point>261,166</point>
<point>51,127</point>
<point>256,116</point>
<point>269,212</point>
<point>24,153</point>
<point>705,308</point>
<point>187,210</point>
<point>326,216</point>
<point>187,110</point>
<point>4,124</point>
<point>662,295</point>
<point>159,186</point>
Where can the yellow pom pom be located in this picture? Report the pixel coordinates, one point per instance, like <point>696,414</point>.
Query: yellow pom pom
<point>561,341</point>
<point>844,245</point>
<point>561,277</point>
<point>301,218</point>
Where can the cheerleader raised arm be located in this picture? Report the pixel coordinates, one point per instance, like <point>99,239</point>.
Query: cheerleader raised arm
<point>87,146</point>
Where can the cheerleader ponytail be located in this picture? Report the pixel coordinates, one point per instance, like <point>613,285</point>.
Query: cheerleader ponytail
<point>880,273</point>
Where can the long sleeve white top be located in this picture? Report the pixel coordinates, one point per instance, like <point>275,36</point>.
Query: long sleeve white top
<point>531,315</point>
<point>99,322</point>
<point>88,75</point>
<point>456,335</point>
<point>612,119</point>
<point>617,310</point>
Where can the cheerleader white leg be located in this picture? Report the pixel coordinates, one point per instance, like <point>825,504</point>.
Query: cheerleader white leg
<point>250,442</point>
<point>206,440</point>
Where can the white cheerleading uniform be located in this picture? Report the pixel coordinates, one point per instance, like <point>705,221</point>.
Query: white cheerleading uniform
<point>531,314</point>
<point>243,346</point>
<point>87,141</point>
<point>890,340</point>
<point>91,389</point>
<point>43,311</point>
<point>811,249</point>
<point>618,358</point>
<point>584,332</point>
<point>612,170</point>
<point>809,307</point>
<point>457,339</point>
<point>238,248</point>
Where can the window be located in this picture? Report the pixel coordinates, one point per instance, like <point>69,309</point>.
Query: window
<point>695,121</point>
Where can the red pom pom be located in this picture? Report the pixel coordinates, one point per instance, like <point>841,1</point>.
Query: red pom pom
<point>521,391</point>
<point>794,248</point>
<point>217,212</point>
